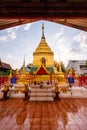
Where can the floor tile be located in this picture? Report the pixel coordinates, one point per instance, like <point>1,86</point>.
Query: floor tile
<point>66,114</point>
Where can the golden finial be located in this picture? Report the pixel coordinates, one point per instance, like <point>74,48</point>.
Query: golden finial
<point>24,61</point>
<point>43,30</point>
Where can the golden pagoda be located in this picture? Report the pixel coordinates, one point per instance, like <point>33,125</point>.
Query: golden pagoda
<point>43,52</point>
<point>23,80</point>
<point>23,75</point>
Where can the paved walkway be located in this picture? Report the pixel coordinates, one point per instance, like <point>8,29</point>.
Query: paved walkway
<point>66,114</point>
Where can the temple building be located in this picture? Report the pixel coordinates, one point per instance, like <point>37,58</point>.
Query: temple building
<point>4,68</point>
<point>42,73</point>
<point>43,58</point>
<point>42,68</point>
<point>80,66</point>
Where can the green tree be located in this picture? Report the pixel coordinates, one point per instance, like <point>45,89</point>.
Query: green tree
<point>86,64</point>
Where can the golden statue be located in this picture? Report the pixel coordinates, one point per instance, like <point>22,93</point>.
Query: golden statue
<point>5,91</point>
<point>26,91</point>
<point>57,91</point>
<point>62,81</point>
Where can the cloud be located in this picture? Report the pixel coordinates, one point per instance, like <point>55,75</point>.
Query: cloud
<point>62,50</point>
<point>74,50</point>
<point>13,60</point>
<point>57,39</point>
<point>10,35</point>
<point>27,26</point>
<point>67,49</point>
<point>17,27</point>
<point>9,30</point>
<point>3,38</point>
<point>9,56</point>
<point>59,34</point>
<point>82,39</point>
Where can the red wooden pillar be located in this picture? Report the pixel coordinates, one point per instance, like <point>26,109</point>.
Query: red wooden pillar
<point>54,78</point>
<point>34,77</point>
<point>0,81</point>
<point>51,79</point>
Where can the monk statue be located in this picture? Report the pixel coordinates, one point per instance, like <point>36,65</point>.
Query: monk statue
<point>56,91</point>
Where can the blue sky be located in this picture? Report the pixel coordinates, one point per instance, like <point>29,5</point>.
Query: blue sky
<point>66,42</point>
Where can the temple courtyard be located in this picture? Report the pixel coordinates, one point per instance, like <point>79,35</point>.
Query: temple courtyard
<point>66,114</point>
<point>40,97</point>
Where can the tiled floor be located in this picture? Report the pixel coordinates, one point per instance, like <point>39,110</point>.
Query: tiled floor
<point>66,114</point>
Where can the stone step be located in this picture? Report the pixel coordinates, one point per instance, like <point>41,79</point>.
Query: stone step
<point>38,91</point>
<point>41,94</point>
<point>45,86</point>
<point>41,90</point>
<point>41,99</point>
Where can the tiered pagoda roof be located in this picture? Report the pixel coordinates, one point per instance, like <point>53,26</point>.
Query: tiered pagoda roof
<point>43,47</point>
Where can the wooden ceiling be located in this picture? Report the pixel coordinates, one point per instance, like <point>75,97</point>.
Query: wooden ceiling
<point>72,13</point>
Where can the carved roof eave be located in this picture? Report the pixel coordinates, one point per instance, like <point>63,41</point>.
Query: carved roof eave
<point>34,53</point>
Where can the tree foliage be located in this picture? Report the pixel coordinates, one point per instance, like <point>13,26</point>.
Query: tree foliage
<point>86,64</point>
<point>5,73</point>
<point>58,64</point>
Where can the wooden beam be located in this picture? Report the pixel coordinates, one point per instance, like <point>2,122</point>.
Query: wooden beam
<point>16,23</point>
<point>42,10</point>
<point>66,22</point>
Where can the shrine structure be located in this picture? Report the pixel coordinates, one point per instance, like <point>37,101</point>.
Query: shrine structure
<point>42,77</point>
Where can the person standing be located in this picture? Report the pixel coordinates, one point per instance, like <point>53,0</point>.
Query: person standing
<point>71,82</point>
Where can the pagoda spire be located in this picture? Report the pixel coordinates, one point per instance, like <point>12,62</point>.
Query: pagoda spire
<point>0,61</point>
<point>43,37</point>
<point>24,61</point>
